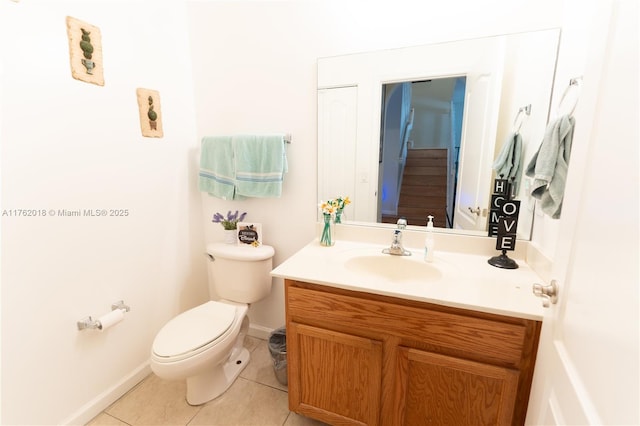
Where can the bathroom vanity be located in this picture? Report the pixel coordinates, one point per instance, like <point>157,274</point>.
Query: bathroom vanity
<point>379,339</point>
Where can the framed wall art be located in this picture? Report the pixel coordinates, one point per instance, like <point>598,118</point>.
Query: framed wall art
<point>85,51</point>
<point>150,113</point>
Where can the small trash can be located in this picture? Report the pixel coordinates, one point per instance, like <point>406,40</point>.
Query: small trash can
<point>278,348</point>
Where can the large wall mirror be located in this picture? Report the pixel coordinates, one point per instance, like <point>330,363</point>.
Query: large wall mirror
<point>415,131</point>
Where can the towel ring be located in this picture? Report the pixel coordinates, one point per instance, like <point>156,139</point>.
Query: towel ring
<point>574,82</point>
<point>522,112</point>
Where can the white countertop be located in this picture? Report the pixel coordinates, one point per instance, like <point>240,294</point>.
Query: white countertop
<point>458,280</point>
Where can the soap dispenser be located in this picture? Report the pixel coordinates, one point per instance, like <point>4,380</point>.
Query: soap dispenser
<point>429,243</point>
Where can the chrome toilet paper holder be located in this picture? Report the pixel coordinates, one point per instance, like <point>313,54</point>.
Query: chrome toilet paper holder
<point>90,323</point>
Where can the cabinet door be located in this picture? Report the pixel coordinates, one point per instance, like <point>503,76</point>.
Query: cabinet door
<point>334,377</point>
<point>434,389</point>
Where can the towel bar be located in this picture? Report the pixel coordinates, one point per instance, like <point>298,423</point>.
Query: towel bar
<point>286,138</point>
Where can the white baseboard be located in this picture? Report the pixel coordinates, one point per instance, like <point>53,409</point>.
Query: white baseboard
<point>259,331</point>
<point>108,397</point>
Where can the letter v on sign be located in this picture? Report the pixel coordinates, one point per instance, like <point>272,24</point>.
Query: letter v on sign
<point>507,225</point>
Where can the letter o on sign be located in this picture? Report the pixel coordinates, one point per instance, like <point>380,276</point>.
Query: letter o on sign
<point>509,208</point>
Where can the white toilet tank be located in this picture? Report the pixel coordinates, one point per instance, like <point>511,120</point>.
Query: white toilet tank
<point>240,273</point>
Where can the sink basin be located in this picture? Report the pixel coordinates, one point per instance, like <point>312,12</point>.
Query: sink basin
<point>394,268</point>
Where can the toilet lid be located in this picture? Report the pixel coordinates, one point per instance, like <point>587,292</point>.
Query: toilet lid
<point>194,329</point>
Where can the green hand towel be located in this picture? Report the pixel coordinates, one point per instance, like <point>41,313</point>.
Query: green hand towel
<point>508,164</point>
<point>217,174</point>
<point>550,164</point>
<point>260,165</point>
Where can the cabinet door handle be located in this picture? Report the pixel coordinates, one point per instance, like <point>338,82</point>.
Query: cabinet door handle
<point>548,293</point>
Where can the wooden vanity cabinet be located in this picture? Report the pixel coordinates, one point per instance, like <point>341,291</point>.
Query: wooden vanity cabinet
<point>363,359</point>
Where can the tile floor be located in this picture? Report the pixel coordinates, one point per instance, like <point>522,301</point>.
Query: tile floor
<point>256,398</point>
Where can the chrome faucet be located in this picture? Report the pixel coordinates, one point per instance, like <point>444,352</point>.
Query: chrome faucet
<point>396,248</point>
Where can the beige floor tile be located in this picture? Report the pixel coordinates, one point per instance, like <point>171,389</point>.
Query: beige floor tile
<point>246,403</point>
<point>256,398</point>
<point>104,419</point>
<point>260,368</point>
<point>298,420</point>
<point>154,402</point>
<point>251,342</point>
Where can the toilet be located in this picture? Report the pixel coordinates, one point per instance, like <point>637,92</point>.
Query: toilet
<point>204,345</point>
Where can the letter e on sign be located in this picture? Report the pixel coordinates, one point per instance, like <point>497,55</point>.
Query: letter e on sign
<point>506,242</point>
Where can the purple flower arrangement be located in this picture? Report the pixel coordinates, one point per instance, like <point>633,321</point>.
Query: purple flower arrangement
<point>231,221</point>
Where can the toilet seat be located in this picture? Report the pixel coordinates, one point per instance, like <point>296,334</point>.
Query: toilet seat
<point>193,331</point>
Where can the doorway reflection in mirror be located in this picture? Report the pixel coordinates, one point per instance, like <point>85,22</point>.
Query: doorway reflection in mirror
<point>420,140</point>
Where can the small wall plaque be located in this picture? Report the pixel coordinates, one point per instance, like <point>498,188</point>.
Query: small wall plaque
<point>249,233</point>
<point>150,113</point>
<point>85,51</point>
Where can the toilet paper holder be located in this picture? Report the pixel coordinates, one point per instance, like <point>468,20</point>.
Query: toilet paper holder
<point>90,323</point>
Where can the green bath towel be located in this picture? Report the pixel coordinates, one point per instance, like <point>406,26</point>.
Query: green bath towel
<point>217,173</point>
<point>260,165</point>
<point>550,164</point>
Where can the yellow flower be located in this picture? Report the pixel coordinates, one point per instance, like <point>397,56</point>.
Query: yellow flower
<point>331,206</point>
<point>327,207</point>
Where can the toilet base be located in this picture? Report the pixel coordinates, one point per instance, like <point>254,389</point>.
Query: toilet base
<point>214,382</point>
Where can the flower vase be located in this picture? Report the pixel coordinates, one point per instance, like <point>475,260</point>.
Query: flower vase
<point>339,216</point>
<point>326,237</point>
<point>230,236</point>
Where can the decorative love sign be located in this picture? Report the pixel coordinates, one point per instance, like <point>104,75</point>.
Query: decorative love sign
<point>503,222</point>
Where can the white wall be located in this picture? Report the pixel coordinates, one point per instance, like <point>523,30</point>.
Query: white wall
<point>72,145</point>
